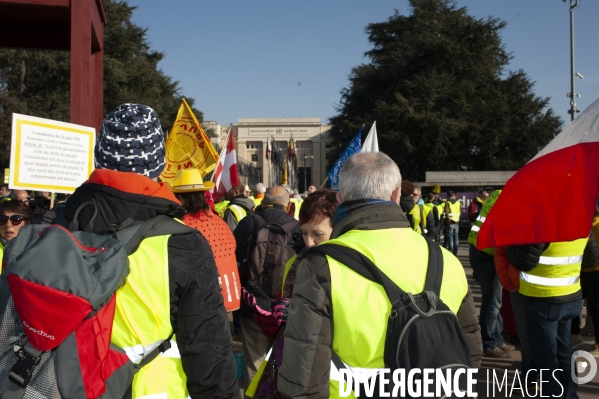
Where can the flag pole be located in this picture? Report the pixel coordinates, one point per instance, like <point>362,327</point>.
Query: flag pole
<point>267,144</point>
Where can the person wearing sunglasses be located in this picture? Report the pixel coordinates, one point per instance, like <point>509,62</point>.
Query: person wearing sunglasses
<point>13,216</point>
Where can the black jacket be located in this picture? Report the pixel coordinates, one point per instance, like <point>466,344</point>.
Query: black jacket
<point>247,227</point>
<point>309,332</point>
<point>198,316</point>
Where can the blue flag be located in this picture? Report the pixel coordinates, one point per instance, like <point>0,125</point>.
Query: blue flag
<point>353,148</point>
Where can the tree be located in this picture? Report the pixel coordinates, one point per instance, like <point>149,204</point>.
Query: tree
<point>37,82</point>
<point>438,88</point>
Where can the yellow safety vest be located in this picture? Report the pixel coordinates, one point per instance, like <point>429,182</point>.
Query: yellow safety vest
<point>426,209</point>
<point>298,206</point>
<point>455,210</point>
<point>441,210</point>
<point>360,313</point>
<point>238,211</point>
<point>482,216</point>
<point>221,207</point>
<point>142,321</point>
<point>558,271</point>
<point>258,201</point>
<point>416,213</point>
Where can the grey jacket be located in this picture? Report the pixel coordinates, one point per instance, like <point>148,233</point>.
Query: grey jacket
<point>242,201</point>
<point>309,332</point>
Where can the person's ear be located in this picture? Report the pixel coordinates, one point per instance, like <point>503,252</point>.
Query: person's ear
<point>395,196</point>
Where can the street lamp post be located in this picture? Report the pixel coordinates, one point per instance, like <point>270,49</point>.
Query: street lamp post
<point>573,74</point>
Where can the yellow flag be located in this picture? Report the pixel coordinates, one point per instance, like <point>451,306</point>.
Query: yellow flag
<point>284,174</point>
<point>188,146</point>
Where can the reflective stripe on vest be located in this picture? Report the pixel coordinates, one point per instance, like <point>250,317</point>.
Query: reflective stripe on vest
<point>238,211</point>
<point>548,282</point>
<point>480,220</point>
<point>360,314</point>
<point>558,271</point>
<point>142,322</point>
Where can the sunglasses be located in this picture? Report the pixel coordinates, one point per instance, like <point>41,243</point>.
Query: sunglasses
<point>14,219</point>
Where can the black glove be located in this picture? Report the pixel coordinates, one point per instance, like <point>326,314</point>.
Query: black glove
<point>258,300</point>
<point>525,257</point>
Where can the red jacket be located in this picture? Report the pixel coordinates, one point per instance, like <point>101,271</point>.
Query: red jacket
<point>508,275</point>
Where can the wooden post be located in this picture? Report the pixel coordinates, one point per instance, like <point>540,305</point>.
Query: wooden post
<point>81,63</point>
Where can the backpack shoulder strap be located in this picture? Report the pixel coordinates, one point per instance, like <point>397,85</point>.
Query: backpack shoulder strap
<point>289,225</point>
<point>259,220</point>
<point>158,226</point>
<point>359,263</point>
<point>434,272</point>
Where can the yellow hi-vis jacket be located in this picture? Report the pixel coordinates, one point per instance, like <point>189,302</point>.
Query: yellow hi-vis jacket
<point>298,206</point>
<point>455,210</point>
<point>480,220</point>
<point>359,329</point>
<point>221,208</point>
<point>558,271</point>
<point>416,213</point>
<point>142,321</point>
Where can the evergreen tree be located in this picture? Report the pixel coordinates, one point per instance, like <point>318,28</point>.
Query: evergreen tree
<point>38,82</point>
<point>438,88</point>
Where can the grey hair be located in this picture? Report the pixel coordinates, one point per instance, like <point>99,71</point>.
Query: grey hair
<point>276,199</point>
<point>288,188</point>
<point>369,175</point>
<point>259,188</point>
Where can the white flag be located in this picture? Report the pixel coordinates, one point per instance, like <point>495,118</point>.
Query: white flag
<point>372,143</point>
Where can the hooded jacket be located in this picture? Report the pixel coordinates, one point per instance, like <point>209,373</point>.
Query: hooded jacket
<point>198,316</point>
<point>242,201</point>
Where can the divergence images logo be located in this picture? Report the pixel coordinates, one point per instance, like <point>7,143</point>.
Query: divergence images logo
<point>585,365</point>
<point>44,334</point>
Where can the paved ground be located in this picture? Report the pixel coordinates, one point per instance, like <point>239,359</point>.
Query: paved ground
<point>588,391</point>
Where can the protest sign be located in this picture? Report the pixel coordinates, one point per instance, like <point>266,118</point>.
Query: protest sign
<point>49,155</point>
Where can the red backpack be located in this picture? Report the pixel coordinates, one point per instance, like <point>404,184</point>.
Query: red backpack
<point>57,303</point>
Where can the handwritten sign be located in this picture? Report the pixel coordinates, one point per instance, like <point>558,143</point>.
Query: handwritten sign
<point>49,155</point>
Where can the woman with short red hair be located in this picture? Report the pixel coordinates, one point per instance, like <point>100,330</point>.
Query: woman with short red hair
<point>316,221</point>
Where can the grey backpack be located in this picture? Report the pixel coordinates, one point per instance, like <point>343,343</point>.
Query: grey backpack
<point>57,303</point>
<point>268,252</point>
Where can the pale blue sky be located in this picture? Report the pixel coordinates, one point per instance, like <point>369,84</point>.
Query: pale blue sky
<point>267,58</point>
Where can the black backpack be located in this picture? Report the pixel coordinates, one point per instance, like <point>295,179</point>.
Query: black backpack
<point>268,252</point>
<point>422,332</point>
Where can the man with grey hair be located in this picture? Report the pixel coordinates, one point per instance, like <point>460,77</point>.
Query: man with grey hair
<point>258,193</point>
<point>336,309</point>
<point>273,210</point>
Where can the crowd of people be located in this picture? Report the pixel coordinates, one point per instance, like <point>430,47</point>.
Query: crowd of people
<point>298,309</point>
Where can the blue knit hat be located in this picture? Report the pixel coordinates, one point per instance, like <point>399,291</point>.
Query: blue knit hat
<point>131,140</point>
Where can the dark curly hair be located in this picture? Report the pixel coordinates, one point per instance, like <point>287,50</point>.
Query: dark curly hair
<point>193,202</point>
<point>319,205</point>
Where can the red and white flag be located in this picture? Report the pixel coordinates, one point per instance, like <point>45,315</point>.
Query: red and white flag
<point>225,174</point>
<point>552,198</point>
